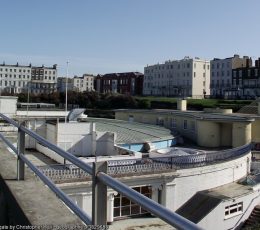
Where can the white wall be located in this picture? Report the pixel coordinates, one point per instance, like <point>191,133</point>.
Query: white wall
<point>8,105</point>
<point>190,181</point>
<point>216,218</point>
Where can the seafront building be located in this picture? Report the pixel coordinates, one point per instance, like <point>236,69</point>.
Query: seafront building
<point>130,83</point>
<point>43,79</point>
<point>18,78</point>
<point>247,80</point>
<point>189,77</point>
<point>14,78</point>
<point>221,81</point>
<point>78,84</point>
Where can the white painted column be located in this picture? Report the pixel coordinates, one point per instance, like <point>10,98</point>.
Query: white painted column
<point>155,193</point>
<point>168,194</point>
<point>110,208</point>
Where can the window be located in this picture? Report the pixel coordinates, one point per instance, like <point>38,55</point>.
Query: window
<point>194,74</point>
<point>173,123</point>
<point>185,124</point>
<point>233,210</point>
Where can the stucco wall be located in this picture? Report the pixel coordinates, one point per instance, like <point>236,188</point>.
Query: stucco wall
<point>216,218</point>
<point>256,131</point>
<point>241,133</point>
<point>193,180</point>
<point>8,105</point>
<point>208,134</point>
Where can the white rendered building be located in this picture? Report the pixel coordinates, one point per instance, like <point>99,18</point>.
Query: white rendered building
<point>221,75</point>
<point>14,78</point>
<point>189,77</point>
<point>84,83</point>
<point>17,79</point>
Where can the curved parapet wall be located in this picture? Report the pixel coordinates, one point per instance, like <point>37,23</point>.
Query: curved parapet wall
<point>150,165</point>
<point>205,158</point>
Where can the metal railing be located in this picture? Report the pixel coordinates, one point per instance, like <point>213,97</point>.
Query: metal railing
<point>119,168</point>
<point>100,181</point>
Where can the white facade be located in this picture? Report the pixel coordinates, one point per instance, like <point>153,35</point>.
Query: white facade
<point>14,78</point>
<point>17,79</point>
<point>8,106</point>
<point>221,75</point>
<point>184,78</point>
<point>84,83</point>
<point>172,189</point>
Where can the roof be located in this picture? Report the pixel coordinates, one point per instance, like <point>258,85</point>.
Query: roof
<point>132,132</point>
<point>199,115</point>
<point>201,204</point>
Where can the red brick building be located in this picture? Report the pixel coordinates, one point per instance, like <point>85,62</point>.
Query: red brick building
<point>130,83</point>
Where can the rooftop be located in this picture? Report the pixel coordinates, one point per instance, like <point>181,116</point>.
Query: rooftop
<point>200,115</point>
<point>131,132</point>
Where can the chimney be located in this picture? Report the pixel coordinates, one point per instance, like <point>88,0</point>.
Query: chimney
<point>181,104</point>
<point>248,62</point>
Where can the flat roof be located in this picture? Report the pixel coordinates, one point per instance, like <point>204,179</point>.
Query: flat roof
<point>132,132</point>
<point>199,115</point>
<point>229,191</point>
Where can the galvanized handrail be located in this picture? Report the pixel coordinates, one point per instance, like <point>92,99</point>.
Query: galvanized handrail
<point>146,203</point>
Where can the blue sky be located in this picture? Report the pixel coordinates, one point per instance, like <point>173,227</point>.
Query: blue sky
<point>105,36</point>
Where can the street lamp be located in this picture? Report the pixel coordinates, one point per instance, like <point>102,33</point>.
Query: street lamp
<point>66,91</point>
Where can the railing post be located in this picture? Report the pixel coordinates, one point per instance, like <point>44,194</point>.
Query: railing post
<point>21,148</point>
<point>99,195</point>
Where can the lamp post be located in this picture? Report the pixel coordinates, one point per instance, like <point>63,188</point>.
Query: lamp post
<point>28,97</point>
<point>66,91</point>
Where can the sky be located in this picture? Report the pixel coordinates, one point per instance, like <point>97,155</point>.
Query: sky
<point>105,36</point>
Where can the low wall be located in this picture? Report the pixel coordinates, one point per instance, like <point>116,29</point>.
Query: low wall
<point>29,201</point>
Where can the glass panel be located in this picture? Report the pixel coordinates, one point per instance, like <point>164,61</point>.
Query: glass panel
<point>125,211</point>
<point>125,201</point>
<point>135,209</point>
<point>145,189</point>
<point>117,202</point>
<point>143,211</point>
<point>116,212</point>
